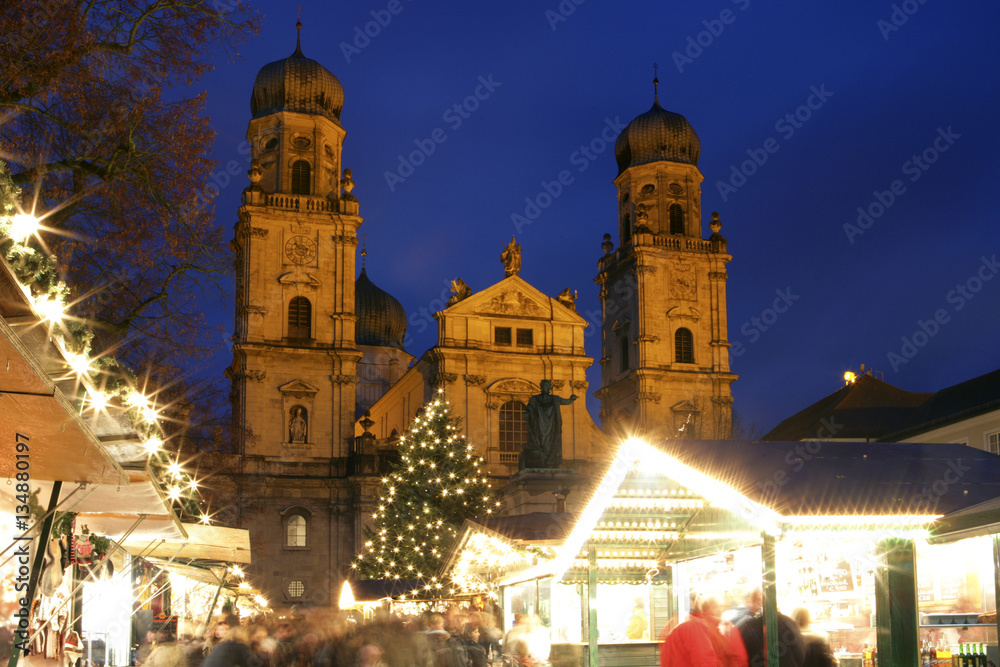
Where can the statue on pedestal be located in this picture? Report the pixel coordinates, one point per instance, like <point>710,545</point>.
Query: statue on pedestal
<point>511,258</point>
<point>544,417</point>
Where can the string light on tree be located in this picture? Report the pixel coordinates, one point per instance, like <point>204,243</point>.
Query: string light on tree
<point>439,479</point>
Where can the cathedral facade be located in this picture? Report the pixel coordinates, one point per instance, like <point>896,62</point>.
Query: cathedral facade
<point>322,385</point>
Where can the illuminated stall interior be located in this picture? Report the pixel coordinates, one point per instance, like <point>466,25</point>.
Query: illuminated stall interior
<point>91,464</point>
<point>841,528</point>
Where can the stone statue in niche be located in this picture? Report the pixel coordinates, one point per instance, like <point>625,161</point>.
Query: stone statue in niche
<point>544,417</point>
<point>297,426</point>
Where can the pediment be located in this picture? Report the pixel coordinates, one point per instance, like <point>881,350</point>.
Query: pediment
<point>685,406</point>
<point>514,297</point>
<point>293,278</point>
<point>684,312</point>
<point>298,388</point>
<point>513,386</point>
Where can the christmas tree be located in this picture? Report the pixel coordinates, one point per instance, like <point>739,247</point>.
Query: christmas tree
<point>437,483</point>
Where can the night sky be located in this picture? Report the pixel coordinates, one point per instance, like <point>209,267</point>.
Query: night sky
<point>833,99</point>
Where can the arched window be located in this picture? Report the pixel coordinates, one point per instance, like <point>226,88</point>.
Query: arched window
<point>624,365</point>
<point>626,229</point>
<point>301,178</point>
<point>299,318</point>
<point>295,531</point>
<point>513,430</point>
<point>683,346</point>
<point>676,219</point>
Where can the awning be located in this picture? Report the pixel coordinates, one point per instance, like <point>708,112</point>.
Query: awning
<point>34,411</point>
<point>113,510</point>
<point>208,543</point>
<point>205,574</point>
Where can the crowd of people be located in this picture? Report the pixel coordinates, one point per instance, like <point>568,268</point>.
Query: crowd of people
<point>452,639</point>
<point>706,639</point>
<point>472,639</point>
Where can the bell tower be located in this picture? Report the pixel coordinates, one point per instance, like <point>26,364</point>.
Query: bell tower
<point>295,360</point>
<point>665,348</point>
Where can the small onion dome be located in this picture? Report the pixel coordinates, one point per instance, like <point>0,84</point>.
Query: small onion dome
<point>381,318</point>
<point>655,136</point>
<point>297,84</point>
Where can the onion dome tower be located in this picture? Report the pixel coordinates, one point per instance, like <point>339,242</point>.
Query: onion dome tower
<point>295,362</point>
<point>665,349</point>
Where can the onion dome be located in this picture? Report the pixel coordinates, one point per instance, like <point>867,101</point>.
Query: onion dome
<point>381,320</point>
<point>657,136</point>
<point>297,84</point>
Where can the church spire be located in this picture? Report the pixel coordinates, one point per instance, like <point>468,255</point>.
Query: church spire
<point>298,36</point>
<point>656,85</point>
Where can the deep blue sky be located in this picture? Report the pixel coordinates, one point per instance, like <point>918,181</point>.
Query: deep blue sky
<point>890,93</point>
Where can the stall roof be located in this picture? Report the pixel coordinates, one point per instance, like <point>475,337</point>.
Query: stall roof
<point>534,528</point>
<point>61,446</point>
<point>847,478</point>
<point>205,543</point>
<point>683,498</point>
<point>113,510</point>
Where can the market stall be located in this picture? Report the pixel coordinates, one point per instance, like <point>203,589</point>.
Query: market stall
<point>843,529</point>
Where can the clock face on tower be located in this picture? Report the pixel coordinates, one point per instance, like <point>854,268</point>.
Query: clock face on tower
<point>300,249</point>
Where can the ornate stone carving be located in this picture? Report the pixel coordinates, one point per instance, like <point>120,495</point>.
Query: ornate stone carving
<point>344,379</point>
<point>683,283</point>
<point>513,302</point>
<point>722,400</point>
<point>258,232</point>
<point>647,338</point>
<point>558,384</point>
<point>254,310</point>
<point>475,380</point>
<point>649,396</point>
<point>440,379</point>
<point>718,275</point>
<point>513,386</point>
<point>256,376</point>
<point>645,268</point>
<point>345,239</point>
<point>578,385</point>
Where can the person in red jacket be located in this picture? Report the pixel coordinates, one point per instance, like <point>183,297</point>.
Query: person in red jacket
<point>703,640</point>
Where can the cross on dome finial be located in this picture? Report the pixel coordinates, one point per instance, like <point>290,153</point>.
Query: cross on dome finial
<point>364,250</point>
<point>298,35</point>
<point>656,83</point>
